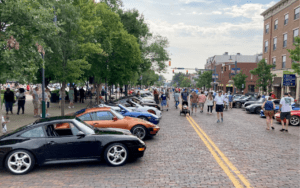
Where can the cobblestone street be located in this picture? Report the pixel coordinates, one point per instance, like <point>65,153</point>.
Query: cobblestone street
<point>177,157</point>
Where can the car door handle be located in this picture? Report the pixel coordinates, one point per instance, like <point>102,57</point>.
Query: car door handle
<point>95,124</point>
<point>51,143</point>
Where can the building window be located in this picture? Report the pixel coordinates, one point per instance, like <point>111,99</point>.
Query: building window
<point>297,12</point>
<point>284,40</point>
<point>266,46</point>
<point>251,76</point>
<point>276,24</point>
<point>274,43</point>
<point>251,88</point>
<point>286,19</point>
<point>267,28</point>
<point>296,34</point>
<point>224,68</point>
<point>274,62</point>
<point>266,60</point>
<point>283,61</point>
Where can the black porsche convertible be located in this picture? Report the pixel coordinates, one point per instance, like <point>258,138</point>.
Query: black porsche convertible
<point>43,142</point>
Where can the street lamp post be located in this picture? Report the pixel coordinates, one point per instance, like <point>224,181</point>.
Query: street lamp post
<point>42,52</point>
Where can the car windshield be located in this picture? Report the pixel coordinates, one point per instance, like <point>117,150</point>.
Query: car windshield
<point>86,128</point>
<point>119,116</point>
<point>125,108</point>
<point>243,97</point>
<point>136,104</point>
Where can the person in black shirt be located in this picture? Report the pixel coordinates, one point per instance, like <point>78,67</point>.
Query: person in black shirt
<point>9,98</point>
<point>81,95</point>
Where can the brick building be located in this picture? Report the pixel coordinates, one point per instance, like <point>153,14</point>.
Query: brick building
<point>224,66</point>
<point>281,26</point>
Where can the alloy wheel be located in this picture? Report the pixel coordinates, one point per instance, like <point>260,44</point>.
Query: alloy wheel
<point>139,132</point>
<point>117,155</point>
<point>295,120</point>
<point>19,162</point>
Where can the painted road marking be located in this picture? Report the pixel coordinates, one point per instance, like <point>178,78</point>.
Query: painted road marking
<point>225,159</point>
<point>235,182</point>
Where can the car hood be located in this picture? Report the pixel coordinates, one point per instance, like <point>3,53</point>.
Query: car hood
<point>110,131</point>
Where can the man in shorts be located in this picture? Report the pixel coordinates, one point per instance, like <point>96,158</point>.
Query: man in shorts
<point>201,101</point>
<point>219,105</point>
<point>163,101</point>
<point>194,100</point>
<point>285,109</point>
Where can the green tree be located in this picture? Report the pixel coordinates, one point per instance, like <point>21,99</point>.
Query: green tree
<point>295,55</point>
<point>204,79</point>
<point>184,81</point>
<point>240,80</point>
<point>176,78</point>
<point>66,61</point>
<point>265,77</point>
<point>149,78</point>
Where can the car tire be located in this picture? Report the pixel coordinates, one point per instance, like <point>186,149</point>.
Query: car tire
<point>295,120</point>
<point>257,110</point>
<point>116,154</point>
<point>139,131</point>
<point>19,162</point>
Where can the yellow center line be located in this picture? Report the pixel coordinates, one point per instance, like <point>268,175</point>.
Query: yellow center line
<point>226,160</point>
<point>235,182</point>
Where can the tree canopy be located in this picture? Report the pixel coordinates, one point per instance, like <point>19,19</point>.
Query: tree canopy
<point>265,77</point>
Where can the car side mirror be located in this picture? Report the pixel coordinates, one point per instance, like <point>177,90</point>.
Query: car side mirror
<point>80,134</point>
<point>114,118</point>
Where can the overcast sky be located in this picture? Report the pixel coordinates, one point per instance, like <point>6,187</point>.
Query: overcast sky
<point>198,29</point>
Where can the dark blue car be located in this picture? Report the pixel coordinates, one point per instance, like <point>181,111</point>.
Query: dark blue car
<point>142,115</point>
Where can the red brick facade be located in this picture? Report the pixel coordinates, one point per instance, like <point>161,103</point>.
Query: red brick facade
<point>278,13</point>
<point>224,74</point>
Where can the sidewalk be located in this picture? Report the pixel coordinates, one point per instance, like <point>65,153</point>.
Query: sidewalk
<point>17,121</point>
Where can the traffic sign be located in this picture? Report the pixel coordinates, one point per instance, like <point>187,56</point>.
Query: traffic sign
<point>289,80</point>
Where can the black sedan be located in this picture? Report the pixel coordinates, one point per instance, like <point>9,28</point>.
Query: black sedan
<point>42,143</point>
<point>256,107</point>
<point>239,102</point>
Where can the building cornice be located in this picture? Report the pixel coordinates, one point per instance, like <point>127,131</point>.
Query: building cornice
<point>277,8</point>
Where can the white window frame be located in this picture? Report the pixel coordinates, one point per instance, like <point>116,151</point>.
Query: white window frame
<point>267,29</point>
<point>296,13</point>
<point>274,44</point>
<point>276,25</point>
<point>287,14</point>
<point>283,61</point>
<point>273,62</point>
<point>285,40</point>
<point>294,34</point>
<point>266,42</point>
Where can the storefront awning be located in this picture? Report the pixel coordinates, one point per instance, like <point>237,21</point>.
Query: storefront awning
<point>229,85</point>
<point>277,82</point>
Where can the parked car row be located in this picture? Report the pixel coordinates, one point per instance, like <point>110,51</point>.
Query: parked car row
<point>252,104</point>
<point>113,133</point>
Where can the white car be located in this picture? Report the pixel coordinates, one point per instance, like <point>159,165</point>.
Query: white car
<point>139,108</point>
<point>116,108</point>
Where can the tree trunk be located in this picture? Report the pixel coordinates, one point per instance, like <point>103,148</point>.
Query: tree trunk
<point>63,97</point>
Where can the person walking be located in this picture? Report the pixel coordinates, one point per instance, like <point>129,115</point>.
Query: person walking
<point>81,95</point>
<point>269,107</point>
<point>71,97</point>
<point>201,101</point>
<point>285,109</point>
<point>156,96</point>
<point>21,100</point>
<point>4,122</point>
<point>75,94</point>
<point>163,98</point>
<point>209,103</point>
<point>230,99</point>
<point>35,101</point>
<point>194,101</point>
<point>168,96</point>
<point>219,105</point>
<point>49,97</point>
<point>9,98</point>
<point>176,98</point>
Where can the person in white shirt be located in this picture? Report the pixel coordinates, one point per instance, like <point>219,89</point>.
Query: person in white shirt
<point>285,109</point>
<point>218,105</point>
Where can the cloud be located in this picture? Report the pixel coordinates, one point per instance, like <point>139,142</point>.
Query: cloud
<point>196,1</point>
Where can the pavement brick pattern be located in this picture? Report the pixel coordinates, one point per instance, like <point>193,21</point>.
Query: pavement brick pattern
<point>177,157</point>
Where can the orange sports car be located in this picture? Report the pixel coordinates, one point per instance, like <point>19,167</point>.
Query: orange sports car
<point>103,117</point>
